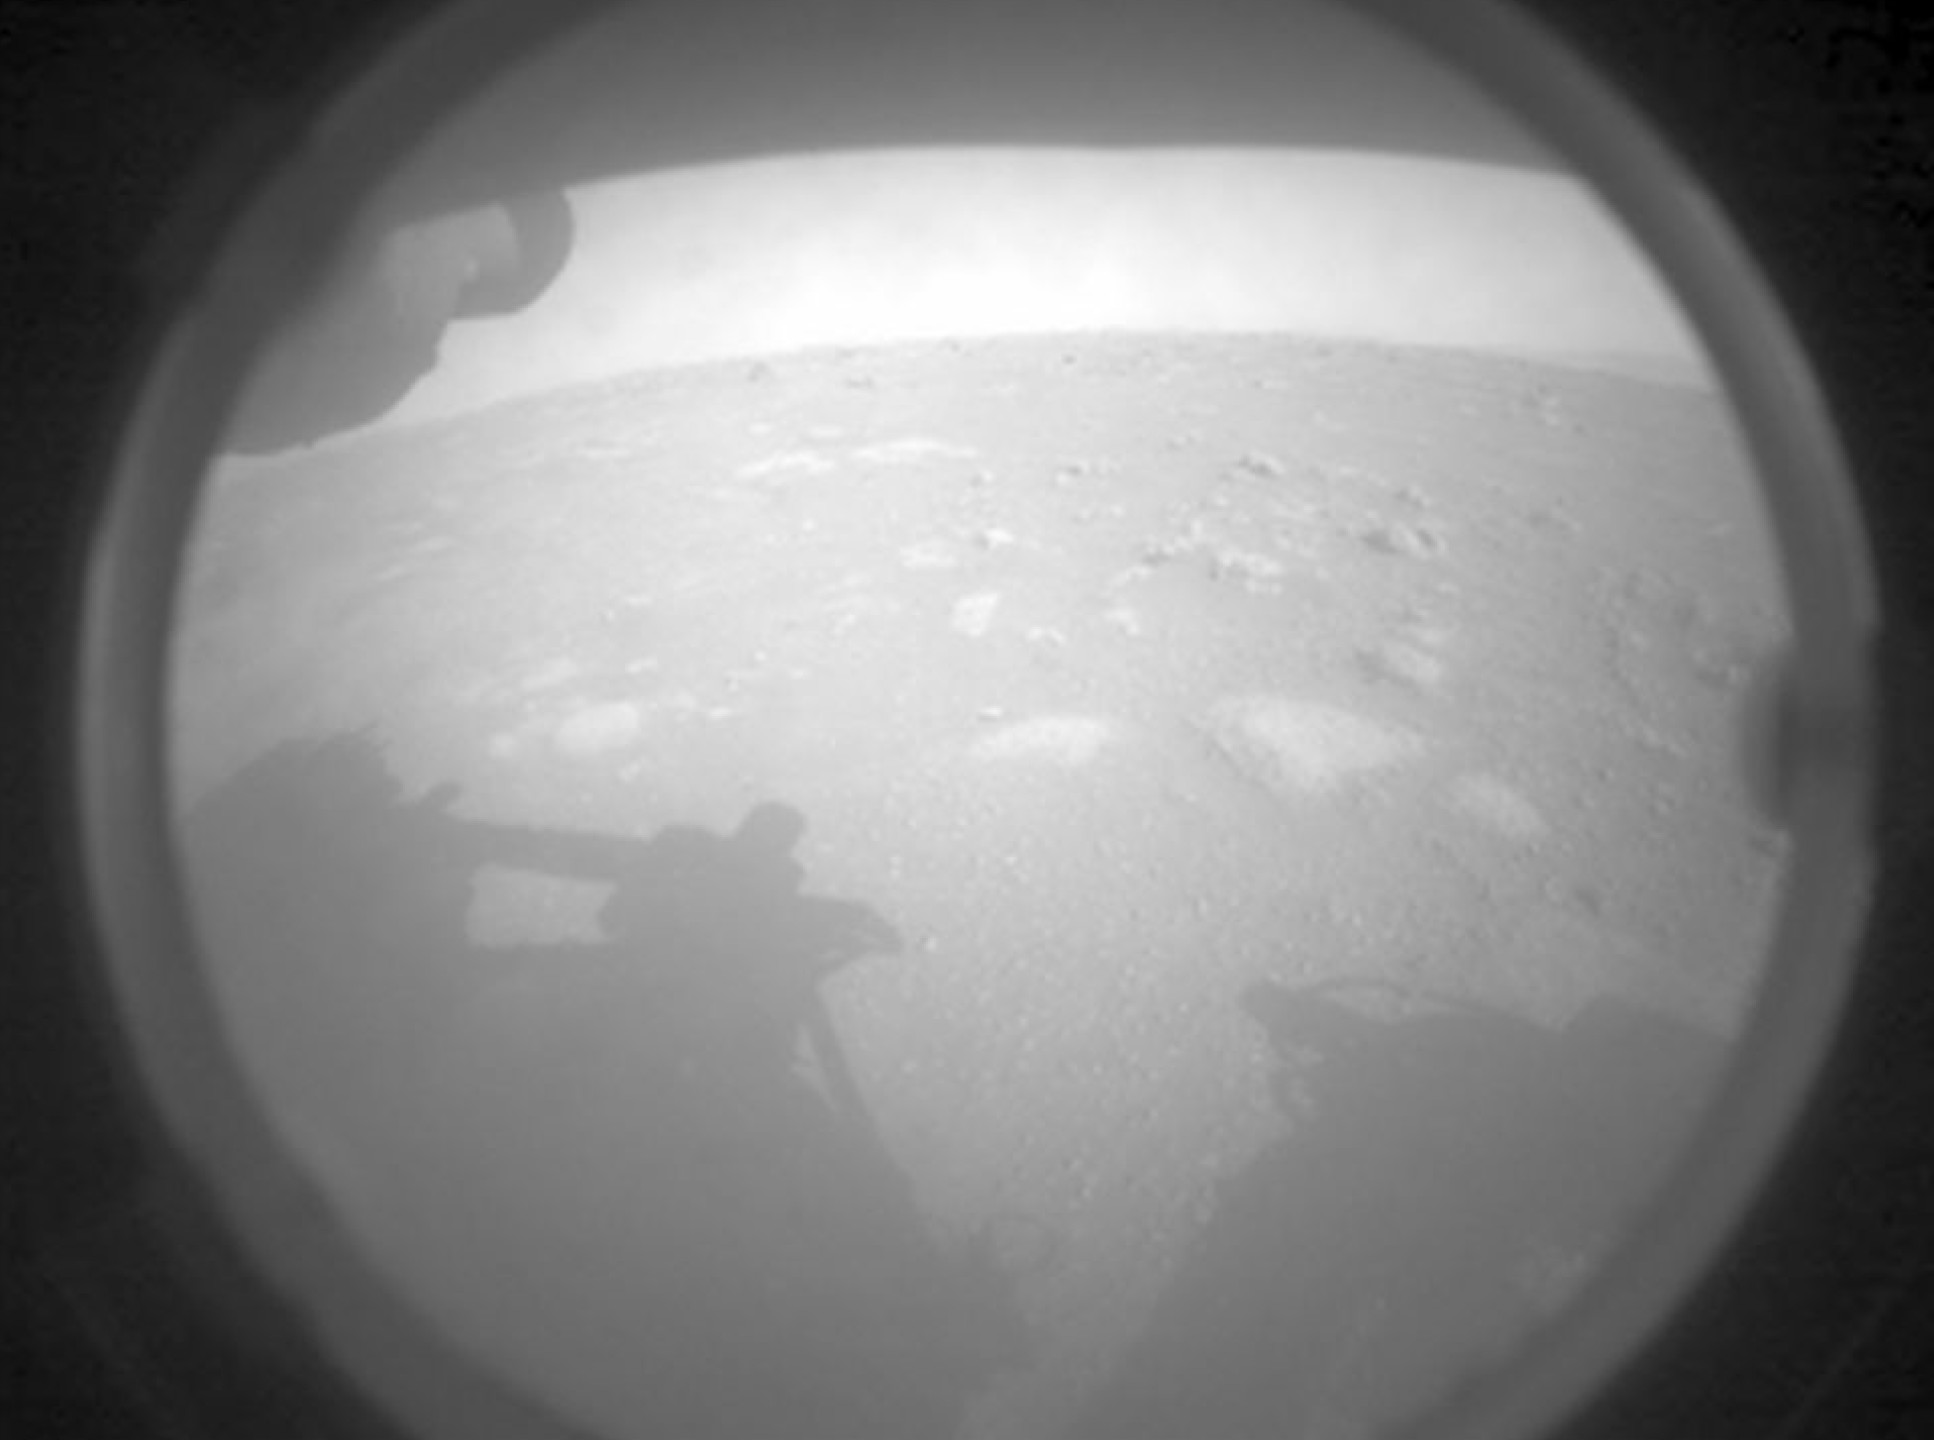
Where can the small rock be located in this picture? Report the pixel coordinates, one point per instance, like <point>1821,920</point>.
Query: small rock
<point>1073,470</point>
<point>1066,740</point>
<point>1409,665</point>
<point>1255,462</point>
<point>1416,542</point>
<point>912,450</point>
<point>1251,569</point>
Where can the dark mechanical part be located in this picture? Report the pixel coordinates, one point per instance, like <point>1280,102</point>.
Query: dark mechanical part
<point>541,231</point>
<point>359,347</point>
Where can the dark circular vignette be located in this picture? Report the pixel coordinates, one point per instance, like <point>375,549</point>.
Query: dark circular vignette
<point>1816,134</point>
<point>1834,214</point>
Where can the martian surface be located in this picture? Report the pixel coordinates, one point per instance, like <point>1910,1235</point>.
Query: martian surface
<point>1120,673</point>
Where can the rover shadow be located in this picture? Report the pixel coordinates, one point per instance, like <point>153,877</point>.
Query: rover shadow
<point>331,927</point>
<point>651,1142</point>
<point>1450,1176</point>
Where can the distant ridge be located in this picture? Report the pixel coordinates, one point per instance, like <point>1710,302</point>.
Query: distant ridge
<point>1686,372</point>
<point>1667,371</point>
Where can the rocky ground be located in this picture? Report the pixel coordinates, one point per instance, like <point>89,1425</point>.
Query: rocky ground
<point>1117,671</point>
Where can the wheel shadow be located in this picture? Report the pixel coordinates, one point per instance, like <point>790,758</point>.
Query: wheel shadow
<point>1450,1176</point>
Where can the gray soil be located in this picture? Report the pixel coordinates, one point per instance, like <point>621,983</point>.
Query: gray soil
<point>1117,672</point>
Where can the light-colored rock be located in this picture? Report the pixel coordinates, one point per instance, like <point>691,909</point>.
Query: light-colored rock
<point>912,450</point>
<point>1249,568</point>
<point>1304,746</point>
<point>787,462</point>
<point>1067,740</point>
<point>1412,542</point>
<point>1407,664</point>
<point>1260,464</point>
<point>1500,807</point>
<point>595,730</point>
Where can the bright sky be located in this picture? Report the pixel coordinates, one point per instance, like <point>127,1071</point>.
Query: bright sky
<point>866,247</point>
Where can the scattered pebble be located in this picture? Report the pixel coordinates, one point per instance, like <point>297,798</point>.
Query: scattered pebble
<point>1253,570</point>
<point>1095,467</point>
<point>1416,542</point>
<point>1728,671</point>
